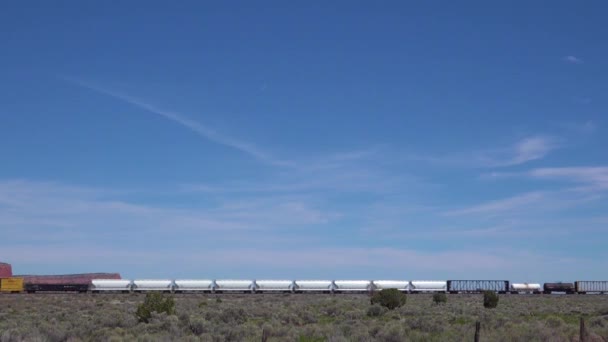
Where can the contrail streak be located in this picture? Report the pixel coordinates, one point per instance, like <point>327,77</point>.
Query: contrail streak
<point>194,126</point>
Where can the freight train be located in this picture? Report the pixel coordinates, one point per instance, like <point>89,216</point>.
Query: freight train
<point>17,285</point>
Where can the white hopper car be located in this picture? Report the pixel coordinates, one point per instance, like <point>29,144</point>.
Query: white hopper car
<point>153,285</point>
<point>274,285</point>
<point>230,285</point>
<point>190,285</point>
<point>428,286</point>
<point>113,285</point>
<point>313,286</point>
<point>352,285</point>
<point>401,285</point>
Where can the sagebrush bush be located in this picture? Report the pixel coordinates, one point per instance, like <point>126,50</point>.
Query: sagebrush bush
<point>490,299</point>
<point>155,302</point>
<point>376,310</point>
<point>306,338</point>
<point>232,316</point>
<point>439,298</point>
<point>389,298</point>
<point>197,325</point>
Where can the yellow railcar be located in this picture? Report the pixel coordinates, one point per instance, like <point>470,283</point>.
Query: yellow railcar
<point>11,285</point>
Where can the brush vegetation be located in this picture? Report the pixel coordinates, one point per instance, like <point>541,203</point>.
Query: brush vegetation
<point>300,317</point>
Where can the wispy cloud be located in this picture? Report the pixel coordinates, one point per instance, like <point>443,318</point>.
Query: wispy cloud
<point>572,59</point>
<point>195,126</point>
<point>501,205</point>
<point>360,171</point>
<point>595,177</point>
<point>289,235</point>
<point>56,212</point>
<point>530,204</point>
<point>525,150</point>
<point>584,128</point>
<point>303,263</point>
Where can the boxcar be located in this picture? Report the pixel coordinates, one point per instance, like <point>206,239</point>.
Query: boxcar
<point>11,285</point>
<point>549,288</point>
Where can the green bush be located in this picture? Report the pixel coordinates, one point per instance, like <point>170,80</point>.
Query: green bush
<point>490,299</point>
<point>439,298</point>
<point>154,302</point>
<point>389,298</point>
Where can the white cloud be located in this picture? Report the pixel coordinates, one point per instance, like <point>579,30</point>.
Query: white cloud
<point>531,149</point>
<point>572,59</point>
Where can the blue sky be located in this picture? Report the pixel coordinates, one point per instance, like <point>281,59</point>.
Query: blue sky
<point>305,140</point>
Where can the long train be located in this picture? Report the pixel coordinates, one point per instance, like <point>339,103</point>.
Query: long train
<point>17,285</point>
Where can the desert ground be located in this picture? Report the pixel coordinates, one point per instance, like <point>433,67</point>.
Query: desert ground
<point>299,317</point>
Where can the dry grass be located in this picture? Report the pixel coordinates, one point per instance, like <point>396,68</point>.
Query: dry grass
<point>111,317</point>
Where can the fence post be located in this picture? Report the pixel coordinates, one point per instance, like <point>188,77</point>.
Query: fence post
<point>477,328</point>
<point>264,335</point>
<point>582,331</point>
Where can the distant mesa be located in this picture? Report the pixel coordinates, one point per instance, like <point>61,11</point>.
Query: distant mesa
<point>6,271</point>
<point>84,278</point>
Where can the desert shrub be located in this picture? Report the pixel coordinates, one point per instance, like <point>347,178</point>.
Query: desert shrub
<point>306,338</point>
<point>354,314</point>
<point>389,298</point>
<point>197,325</point>
<point>392,332</point>
<point>308,317</point>
<point>154,302</point>
<point>490,299</point>
<point>439,298</point>
<point>598,322</point>
<point>554,322</point>
<point>232,315</point>
<point>163,323</point>
<point>376,310</point>
<point>332,310</point>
